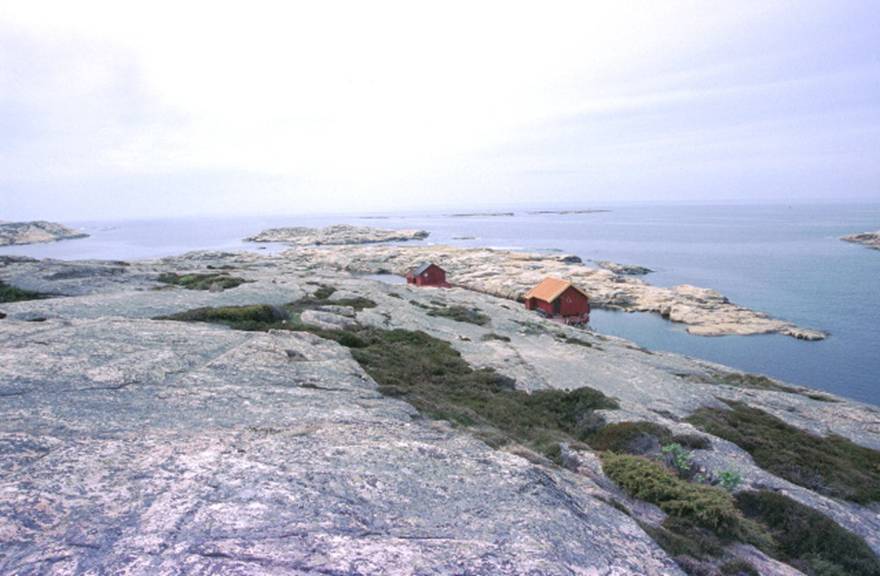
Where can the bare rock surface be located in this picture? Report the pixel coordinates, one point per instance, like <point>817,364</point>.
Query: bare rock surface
<point>36,232</point>
<point>869,239</point>
<point>510,274</point>
<point>337,234</point>
<point>143,446</point>
<point>623,269</point>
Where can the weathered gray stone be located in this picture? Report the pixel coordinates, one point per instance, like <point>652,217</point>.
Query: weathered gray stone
<point>130,445</point>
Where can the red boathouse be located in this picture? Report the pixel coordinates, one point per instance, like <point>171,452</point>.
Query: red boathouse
<point>559,298</point>
<point>428,274</point>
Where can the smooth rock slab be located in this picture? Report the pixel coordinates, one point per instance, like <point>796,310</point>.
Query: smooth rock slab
<point>151,447</point>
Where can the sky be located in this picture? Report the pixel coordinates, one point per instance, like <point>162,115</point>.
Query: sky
<point>155,109</point>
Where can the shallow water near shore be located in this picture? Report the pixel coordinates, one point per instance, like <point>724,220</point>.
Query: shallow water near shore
<point>784,260</point>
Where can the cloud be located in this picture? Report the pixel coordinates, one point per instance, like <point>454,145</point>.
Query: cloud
<point>384,104</point>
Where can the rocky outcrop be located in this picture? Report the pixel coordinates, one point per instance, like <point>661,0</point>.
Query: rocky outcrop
<point>511,274</point>
<point>37,232</point>
<point>141,446</point>
<point>869,239</point>
<point>623,269</point>
<point>335,235</point>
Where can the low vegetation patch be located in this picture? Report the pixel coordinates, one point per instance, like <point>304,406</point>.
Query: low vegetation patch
<point>494,336</point>
<point>830,465</point>
<point>642,437</point>
<point>253,317</point>
<point>461,314</point>
<point>208,281</point>
<point>701,505</point>
<point>807,539</point>
<point>432,376</point>
<point>12,294</point>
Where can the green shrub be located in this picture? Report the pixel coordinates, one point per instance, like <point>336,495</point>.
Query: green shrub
<point>831,465</point>
<point>461,314</point>
<point>630,437</point>
<point>12,294</point>
<point>647,480</point>
<point>680,459</point>
<point>221,280</point>
<point>729,480</point>
<point>252,317</point>
<point>808,539</point>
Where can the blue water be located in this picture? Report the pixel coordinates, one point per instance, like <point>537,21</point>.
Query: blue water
<point>785,260</point>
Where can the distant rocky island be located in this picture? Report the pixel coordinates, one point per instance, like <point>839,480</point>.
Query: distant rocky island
<point>566,212</point>
<point>869,239</point>
<point>339,234</point>
<point>479,214</point>
<point>223,413</point>
<point>36,232</point>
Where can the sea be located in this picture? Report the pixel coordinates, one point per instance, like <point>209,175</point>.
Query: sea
<point>786,260</point>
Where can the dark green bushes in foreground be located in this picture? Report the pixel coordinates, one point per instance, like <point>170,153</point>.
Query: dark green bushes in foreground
<point>647,480</point>
<point>703,519</point>
<point>808,539</point>
<point>214,280</point>
<point>830,465</point>
<point>12,294</point>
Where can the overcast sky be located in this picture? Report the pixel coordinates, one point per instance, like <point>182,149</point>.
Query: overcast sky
<point>143,109</point>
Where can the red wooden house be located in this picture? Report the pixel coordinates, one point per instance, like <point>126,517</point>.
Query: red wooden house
<point>428,274</point>
<point>559,299</point>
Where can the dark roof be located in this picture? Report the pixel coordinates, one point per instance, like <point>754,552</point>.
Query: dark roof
<point>422,268</point>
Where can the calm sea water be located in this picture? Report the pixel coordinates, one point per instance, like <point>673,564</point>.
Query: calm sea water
<point>785,260</point>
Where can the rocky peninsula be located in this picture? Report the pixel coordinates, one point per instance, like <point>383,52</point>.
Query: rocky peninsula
<point>37,232</point>
<point>869,239</point>
<point>511,274</point>
<point>339,234</point>
<point>155,424</point>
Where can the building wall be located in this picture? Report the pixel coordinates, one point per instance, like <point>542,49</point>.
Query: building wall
<point>433,276</point>
<point>573,303</point>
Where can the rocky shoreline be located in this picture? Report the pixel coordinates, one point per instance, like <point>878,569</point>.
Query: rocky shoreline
<point>867,239</point>
<point>510,274</point>
<point>36,232</point>
<point>150,446</point>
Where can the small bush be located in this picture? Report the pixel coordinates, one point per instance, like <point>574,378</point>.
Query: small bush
<point>692,441</point>
<point>253,317</point>
<point>461,314</point>
<point>831,465</point>
<point>729,480</point>
<point>324,292</point>
<point>494,336</point>
<point>12,294</point>
<point>808,539</point>
<point>630,437</point>
<point>647,480</point>
<point>221,280</point>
